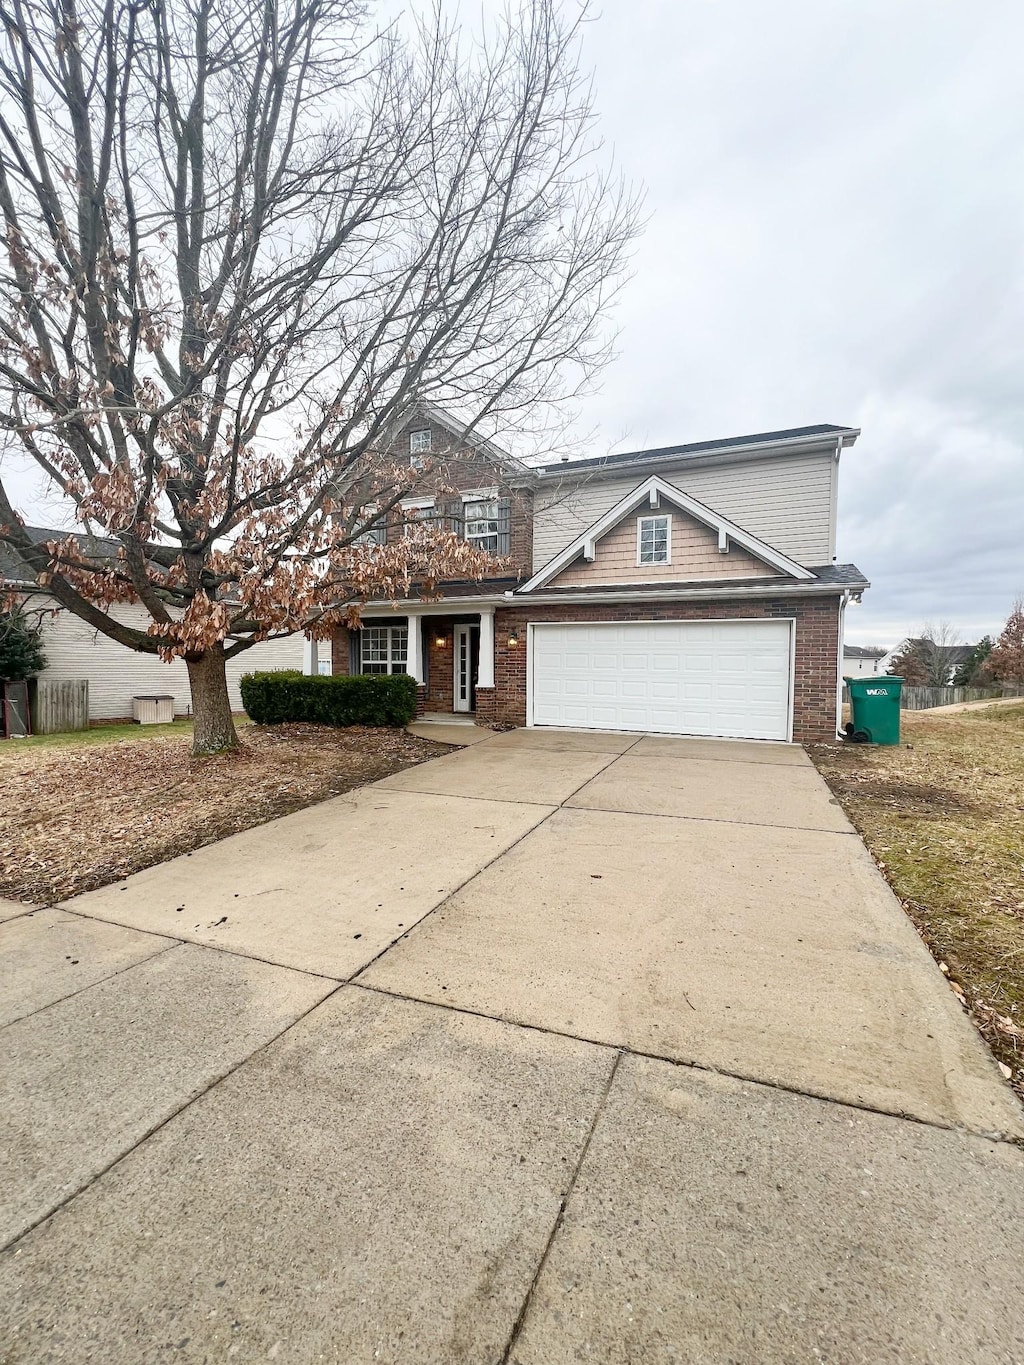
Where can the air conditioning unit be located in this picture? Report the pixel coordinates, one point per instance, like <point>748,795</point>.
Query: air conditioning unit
<point>155,710</point>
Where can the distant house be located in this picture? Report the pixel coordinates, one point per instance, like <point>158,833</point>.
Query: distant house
<point>935,659</point>
<point>116,674</point>
<point>862,663</point>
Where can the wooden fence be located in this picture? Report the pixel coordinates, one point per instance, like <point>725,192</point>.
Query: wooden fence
<point>925,698</point>
<point>59,706</point>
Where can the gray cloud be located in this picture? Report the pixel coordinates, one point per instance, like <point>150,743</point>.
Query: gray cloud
<point>837,202</point>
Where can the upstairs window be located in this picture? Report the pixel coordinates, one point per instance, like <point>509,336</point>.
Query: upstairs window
<point>383,649</point>
<point>419,442</point>
<point>416,514</point>
<point>376,534</point>
<point>487,521</point>
<point>483,525</point>
<point>654,540</point>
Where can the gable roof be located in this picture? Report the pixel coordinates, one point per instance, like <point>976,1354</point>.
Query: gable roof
<point>15,572</point>
<point>652,491</point>
<point>439,417</point>
<point>761,441</point>
<point>862,652</point>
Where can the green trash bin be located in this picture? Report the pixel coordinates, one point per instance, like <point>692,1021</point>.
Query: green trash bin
<point>876,710</point>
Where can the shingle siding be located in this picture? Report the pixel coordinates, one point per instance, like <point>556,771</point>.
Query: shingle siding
<point>115,674</point>
<point>695,556</point>
<point>786,502</point>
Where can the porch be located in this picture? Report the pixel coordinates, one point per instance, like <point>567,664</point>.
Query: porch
<point>449,652</point>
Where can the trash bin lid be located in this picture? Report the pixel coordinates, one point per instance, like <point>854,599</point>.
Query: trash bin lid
<point>154,696</point>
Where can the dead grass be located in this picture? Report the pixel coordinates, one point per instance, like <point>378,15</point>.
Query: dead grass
<point>80,815</point>
<point>943,815</point>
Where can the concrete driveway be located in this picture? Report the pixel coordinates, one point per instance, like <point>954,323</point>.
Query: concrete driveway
<point>563,1047</point>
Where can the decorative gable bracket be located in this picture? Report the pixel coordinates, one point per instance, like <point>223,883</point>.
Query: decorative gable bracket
<point>653,492</point>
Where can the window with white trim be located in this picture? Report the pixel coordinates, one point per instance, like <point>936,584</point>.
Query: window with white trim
<point>383,649</point>
<point>419,442</point>
<point>417,514</point>
<point>375,534</point>
<point>482,522</point>
<point>654,540</point>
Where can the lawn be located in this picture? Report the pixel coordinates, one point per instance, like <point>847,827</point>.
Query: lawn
<point>943,815</point>
<point>86,809</point>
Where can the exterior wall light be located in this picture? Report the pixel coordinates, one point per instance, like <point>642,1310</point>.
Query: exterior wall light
<point>513,639</point>
<point>440,639</point>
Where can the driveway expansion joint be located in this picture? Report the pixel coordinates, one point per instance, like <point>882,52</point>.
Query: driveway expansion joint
<point>692,1064</point>
<point>136,1143</point>
<point>563,1204</point>
<point>101,980</point>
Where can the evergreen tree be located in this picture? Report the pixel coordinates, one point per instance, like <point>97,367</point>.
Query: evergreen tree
<point>974,670</point>
<point>21,647</point>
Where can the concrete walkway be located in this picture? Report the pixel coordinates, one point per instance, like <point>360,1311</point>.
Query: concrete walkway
<point>563,1047</point>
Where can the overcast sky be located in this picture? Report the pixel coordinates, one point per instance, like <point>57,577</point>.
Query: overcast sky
<point>835,194</point>
<point>836,199</point>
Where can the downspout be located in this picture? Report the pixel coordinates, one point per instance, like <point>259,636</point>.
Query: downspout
<point>839,666</point>
<point>833,509</point>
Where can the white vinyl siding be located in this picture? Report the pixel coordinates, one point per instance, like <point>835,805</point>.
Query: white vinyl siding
<point>721,678</point>
<point>115,674</point>
<point>787,502</point>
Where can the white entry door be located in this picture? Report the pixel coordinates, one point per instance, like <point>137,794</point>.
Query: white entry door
<point>463,668</point>
<point>723,678</point>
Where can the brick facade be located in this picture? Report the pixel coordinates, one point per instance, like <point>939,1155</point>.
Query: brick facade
<point>816,656</point>
<point>462,470</point>
<point>456,469</point>
<point>816,653</point>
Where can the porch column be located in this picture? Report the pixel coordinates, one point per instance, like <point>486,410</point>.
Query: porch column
<point>310,660</point>
<point>485,668</point>
<point>414,649</point>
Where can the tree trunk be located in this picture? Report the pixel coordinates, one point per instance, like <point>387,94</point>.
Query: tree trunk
<point>213,728</point>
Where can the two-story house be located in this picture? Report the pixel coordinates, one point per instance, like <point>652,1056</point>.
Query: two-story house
<point>685,590</point>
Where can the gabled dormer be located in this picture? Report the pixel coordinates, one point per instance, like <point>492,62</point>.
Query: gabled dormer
<point>657,534</point>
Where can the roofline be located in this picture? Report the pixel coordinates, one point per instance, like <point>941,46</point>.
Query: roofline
<point>720,590</point>
<point>658,458</point>
<point>504,457</point>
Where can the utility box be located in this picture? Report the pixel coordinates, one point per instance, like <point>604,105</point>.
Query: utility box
<point>154,710</point>
<point>876,709</point>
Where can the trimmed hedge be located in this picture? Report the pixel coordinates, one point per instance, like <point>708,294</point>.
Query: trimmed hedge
<point>274,698</point>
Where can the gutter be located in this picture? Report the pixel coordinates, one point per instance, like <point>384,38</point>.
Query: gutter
<point>829,441</point>
<point>771,588</point>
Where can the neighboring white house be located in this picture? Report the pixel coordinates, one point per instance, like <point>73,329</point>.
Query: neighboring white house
<point>116,674</point>
<point>862,663</point>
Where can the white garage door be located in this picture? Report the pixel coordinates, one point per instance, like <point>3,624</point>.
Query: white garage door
<point>727,678</point>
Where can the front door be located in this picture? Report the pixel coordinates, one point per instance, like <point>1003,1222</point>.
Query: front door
<point>467,650</point>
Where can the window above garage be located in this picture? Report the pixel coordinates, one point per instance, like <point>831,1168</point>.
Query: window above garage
<point>654,540</point>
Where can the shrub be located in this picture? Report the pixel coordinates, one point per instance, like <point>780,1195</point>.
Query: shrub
<point>285,695</point>
<point>21,647</point>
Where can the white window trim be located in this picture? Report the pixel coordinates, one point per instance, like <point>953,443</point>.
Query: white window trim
<point>392,657</point>
<point>659,516</point>
<point>481,496</point>
<point>417,505</point>
<point>424,450</point>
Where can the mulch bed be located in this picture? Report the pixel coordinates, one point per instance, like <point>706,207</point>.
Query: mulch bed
<point>78,817</point>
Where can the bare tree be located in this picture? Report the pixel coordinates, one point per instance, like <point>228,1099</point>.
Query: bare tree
<point>244,241</point>
<point>938,643</point>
